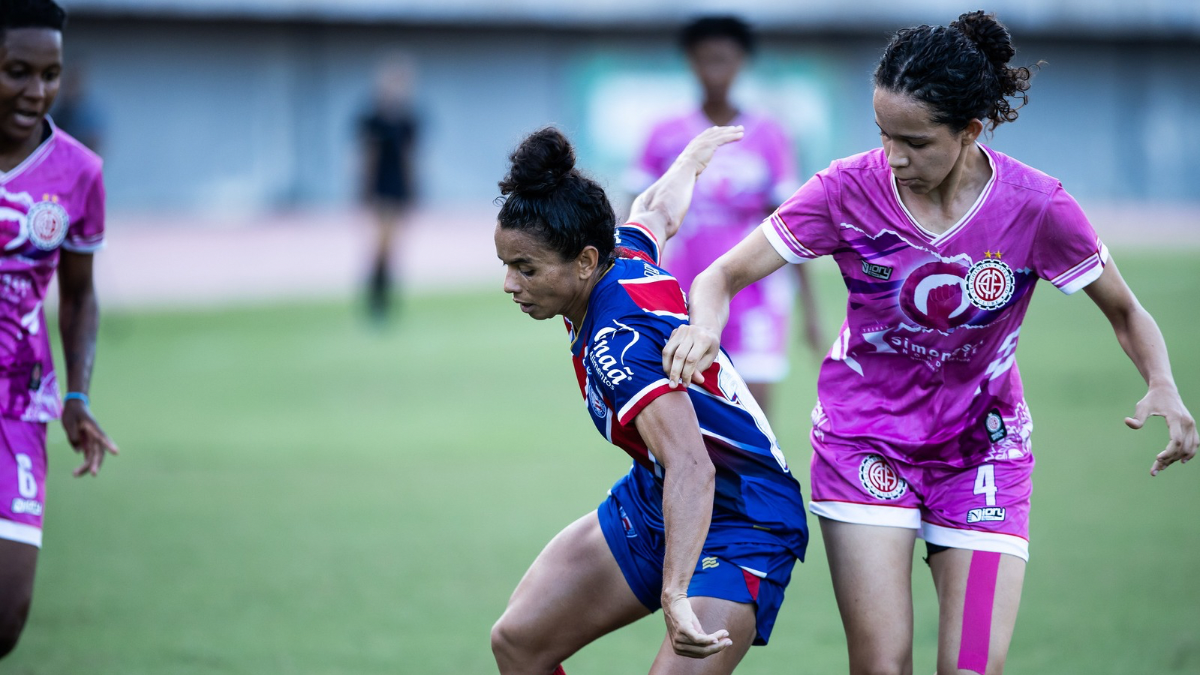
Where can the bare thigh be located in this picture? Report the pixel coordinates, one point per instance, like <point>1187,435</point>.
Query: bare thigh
<point>714,614</point>
<point>17,565</point>
<point>572,594</point>
<point>952,574</point>
<point>871,568</point>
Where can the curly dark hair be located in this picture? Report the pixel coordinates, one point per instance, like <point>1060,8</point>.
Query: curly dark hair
<point>545,195</point>
<point>960,71</point>
<point>710,27</point>
<point>31,14</point>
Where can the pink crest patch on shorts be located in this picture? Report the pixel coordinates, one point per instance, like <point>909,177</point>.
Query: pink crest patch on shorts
<point>880,479</point>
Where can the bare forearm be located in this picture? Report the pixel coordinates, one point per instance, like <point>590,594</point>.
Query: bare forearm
<point>668,198</point>
<point>1143,342</point>
<point>687,512</point>
<point>708,302</point>
<point>79,321</point>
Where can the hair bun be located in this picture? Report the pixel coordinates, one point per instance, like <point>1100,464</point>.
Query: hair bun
<point>988,34</point>
<point>540,164</point>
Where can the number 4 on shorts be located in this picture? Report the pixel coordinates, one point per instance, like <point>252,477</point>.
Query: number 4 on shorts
<point>985,483</point>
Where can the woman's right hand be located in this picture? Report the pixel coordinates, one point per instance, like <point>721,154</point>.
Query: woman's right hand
<point>689,352</point>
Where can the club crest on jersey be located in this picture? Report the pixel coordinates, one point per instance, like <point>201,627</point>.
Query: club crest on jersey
<point>47,222</point>
<point>596,401</point>
<point>990,283</point>
<point>994,425</point>
<point>880,479</point>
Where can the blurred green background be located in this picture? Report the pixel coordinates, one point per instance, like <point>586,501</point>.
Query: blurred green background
<point>297,493</point>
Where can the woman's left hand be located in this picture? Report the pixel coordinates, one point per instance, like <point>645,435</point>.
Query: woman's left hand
<point>86,436</point>
<point>1165,402</point>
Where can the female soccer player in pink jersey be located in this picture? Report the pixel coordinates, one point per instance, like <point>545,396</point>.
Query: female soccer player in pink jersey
<point>745,182</point>
<point>51,218</point>
<point>921,428</point>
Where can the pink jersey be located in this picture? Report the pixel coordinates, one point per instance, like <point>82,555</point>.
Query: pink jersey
<point>742,184</point>
<point>924,369</point>
<point>54,199</point>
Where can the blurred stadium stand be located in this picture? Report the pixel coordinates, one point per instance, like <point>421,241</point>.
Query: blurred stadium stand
<point>239,110</point>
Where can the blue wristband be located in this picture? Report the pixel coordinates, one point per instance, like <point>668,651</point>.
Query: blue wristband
<point>77,396</point>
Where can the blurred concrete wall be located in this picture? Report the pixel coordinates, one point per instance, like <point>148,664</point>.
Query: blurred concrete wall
<point>258,115</point>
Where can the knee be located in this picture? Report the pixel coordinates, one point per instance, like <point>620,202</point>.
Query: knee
<point>516,650</point>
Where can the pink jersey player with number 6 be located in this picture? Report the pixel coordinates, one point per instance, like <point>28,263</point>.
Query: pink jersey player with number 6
<point>921,427</point>
<point>51,221</point>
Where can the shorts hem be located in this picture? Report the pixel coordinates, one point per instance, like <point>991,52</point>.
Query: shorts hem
<point>975,540</point>
<point>906,517</point>
<point>21,533</point>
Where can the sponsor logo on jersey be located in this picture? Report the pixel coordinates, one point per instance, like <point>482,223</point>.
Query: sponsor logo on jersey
<point>880,479</point>
<point>904,342</point>
<point>877,271</point>
<point>709,562</point>
<point>993,423</point>
<point>29,506</point>
<point>988,514</point>
<point>934,296</point>
<point>990,282</point>
<point>608,365</point>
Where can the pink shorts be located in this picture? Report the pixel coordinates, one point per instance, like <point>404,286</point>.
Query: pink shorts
<point>22,480</point>
<point>981,508</point>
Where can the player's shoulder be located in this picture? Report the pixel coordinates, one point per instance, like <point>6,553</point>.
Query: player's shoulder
<point>635,288</point>
<point>1020,177</point>
<point>69,151</point>
<point>872,162</point>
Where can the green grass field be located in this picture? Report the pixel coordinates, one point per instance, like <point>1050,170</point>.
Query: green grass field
<point>299,494</point>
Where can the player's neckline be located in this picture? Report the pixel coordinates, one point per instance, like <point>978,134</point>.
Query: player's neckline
<point>938,238</point>
<point>34,157</point>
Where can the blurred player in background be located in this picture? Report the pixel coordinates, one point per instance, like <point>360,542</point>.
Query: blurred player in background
<point>388,132</point>
<point>745,182</point>
<point>921,427</point>
<point>51,218</point>
<point>709,521</point>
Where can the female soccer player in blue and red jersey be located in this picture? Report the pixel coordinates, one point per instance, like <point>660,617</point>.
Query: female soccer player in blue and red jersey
<point>709,521</point>
<point>51,218</point>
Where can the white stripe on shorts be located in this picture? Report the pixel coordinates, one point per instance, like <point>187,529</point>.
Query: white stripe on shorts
<point>868,514</point>
<point>20,532</point>
<point>974,540</point>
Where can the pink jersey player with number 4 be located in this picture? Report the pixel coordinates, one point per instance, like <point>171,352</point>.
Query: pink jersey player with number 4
<point>921,427</point>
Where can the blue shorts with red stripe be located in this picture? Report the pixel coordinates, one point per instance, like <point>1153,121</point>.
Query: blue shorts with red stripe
<point>728,568</point>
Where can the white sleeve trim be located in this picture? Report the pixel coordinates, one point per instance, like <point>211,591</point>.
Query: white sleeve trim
<point>21,533</point>
<point>638,397</point>
<point>1089,270</point>
<point>777,242</point>
<point>87,247</point>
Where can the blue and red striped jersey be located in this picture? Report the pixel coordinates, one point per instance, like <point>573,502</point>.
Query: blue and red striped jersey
<point>617,353</point>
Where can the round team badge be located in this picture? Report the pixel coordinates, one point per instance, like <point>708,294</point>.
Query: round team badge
<point>47,222</point>
<point>880,479</point>
<point>599,409</point>
<point>990,283</point>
